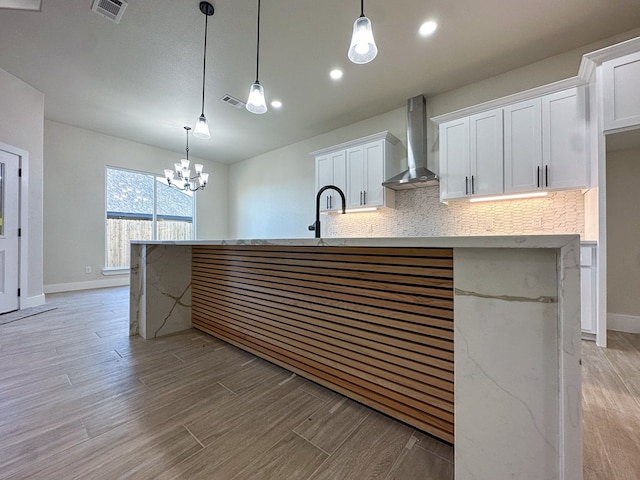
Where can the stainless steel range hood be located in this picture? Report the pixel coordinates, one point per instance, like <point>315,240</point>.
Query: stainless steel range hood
<point>417,175</point>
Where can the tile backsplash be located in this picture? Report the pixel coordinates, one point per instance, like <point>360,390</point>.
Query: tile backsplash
<point>419,213</point>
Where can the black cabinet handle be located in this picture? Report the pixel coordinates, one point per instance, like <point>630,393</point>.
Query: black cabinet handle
<point>360,198</point>
<point>538,177</point>
<point>364,197</point>
<point>466,185</point>
<point>546,175</point>
<point>473,186</point>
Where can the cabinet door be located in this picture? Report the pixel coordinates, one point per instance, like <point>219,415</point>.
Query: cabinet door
<point>564,139</point>
<point>486,153</point>
<point>374,171</point>
<point>588,287</point>
<point>355,177</point>
<point>331,170</point>
<point>454,159</point>
<point>523,146</point>
<point>587,313</point>
<point>621,94</point>
<point>324,176</point>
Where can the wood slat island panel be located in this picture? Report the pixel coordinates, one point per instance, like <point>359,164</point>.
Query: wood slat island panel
<point>375,324</point>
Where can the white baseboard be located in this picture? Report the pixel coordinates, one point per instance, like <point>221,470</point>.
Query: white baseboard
<point>73,286</point>
<point>34,301</point>
<point>623,323</point>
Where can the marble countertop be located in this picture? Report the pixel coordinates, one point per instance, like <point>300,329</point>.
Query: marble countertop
<point>511,241</point>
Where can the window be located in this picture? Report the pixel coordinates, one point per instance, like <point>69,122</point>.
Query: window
<point>141,206</point>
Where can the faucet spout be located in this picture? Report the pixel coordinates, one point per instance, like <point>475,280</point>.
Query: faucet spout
<point>315,227</point>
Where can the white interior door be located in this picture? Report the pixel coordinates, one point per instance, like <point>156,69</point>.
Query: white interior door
<point>9,240</point>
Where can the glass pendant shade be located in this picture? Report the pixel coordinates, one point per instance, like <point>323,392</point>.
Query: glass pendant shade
<point>363,47</point>
<point>202,128</point>
<point>256,102</point>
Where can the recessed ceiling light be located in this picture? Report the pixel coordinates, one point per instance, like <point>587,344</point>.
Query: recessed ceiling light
<point>427,28</point>
<point>276,104</point>
<point>336,74</point>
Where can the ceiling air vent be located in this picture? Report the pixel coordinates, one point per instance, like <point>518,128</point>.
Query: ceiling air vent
<point>234,102</point>
<point>111,9</point>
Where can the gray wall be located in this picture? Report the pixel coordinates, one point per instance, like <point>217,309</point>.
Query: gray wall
<point>74,193</point>
<point>623,233</point>
<point>21,126</point>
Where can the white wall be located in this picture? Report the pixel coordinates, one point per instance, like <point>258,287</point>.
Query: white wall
<point>74,193</point>
<point>623,240</point>
<point>21,125</point>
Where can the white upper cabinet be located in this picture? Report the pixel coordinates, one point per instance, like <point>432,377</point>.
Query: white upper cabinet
<point>546,143</point>
<point>522,146</point>
<point>621,92</point>
<point>355,175</point>
<point>331,169</point>
<point>358,168</point>
<point>365,174</point>
<point>471,156</point>
<point>539,143</point>
<point>454,159</point>
<point>564,139</point>
<point>486,153</point>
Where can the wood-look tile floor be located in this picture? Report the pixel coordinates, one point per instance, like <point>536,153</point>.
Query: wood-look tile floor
<point>80,399</point>
<point>611,408</point>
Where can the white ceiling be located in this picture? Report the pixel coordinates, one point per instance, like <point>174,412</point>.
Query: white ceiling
<point>141,79</point>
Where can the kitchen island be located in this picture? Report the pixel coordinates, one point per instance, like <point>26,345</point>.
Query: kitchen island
<point>475,340</point>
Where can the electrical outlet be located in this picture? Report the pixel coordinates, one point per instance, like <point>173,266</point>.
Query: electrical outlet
<point>537,222</point>
<point>87,269</point>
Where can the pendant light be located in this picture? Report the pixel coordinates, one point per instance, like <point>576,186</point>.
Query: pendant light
<point>256,102</point>
<point>181,178</point>
<point>363,47</point>
<point>202,127</point>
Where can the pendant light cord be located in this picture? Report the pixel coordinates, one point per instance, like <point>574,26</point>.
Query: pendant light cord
<point>204,62</point>
<point>361,8</point>
<point>258,45</point>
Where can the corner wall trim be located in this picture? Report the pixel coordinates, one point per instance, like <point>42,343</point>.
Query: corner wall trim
<point>623,323</point>
<point>74,286</point>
